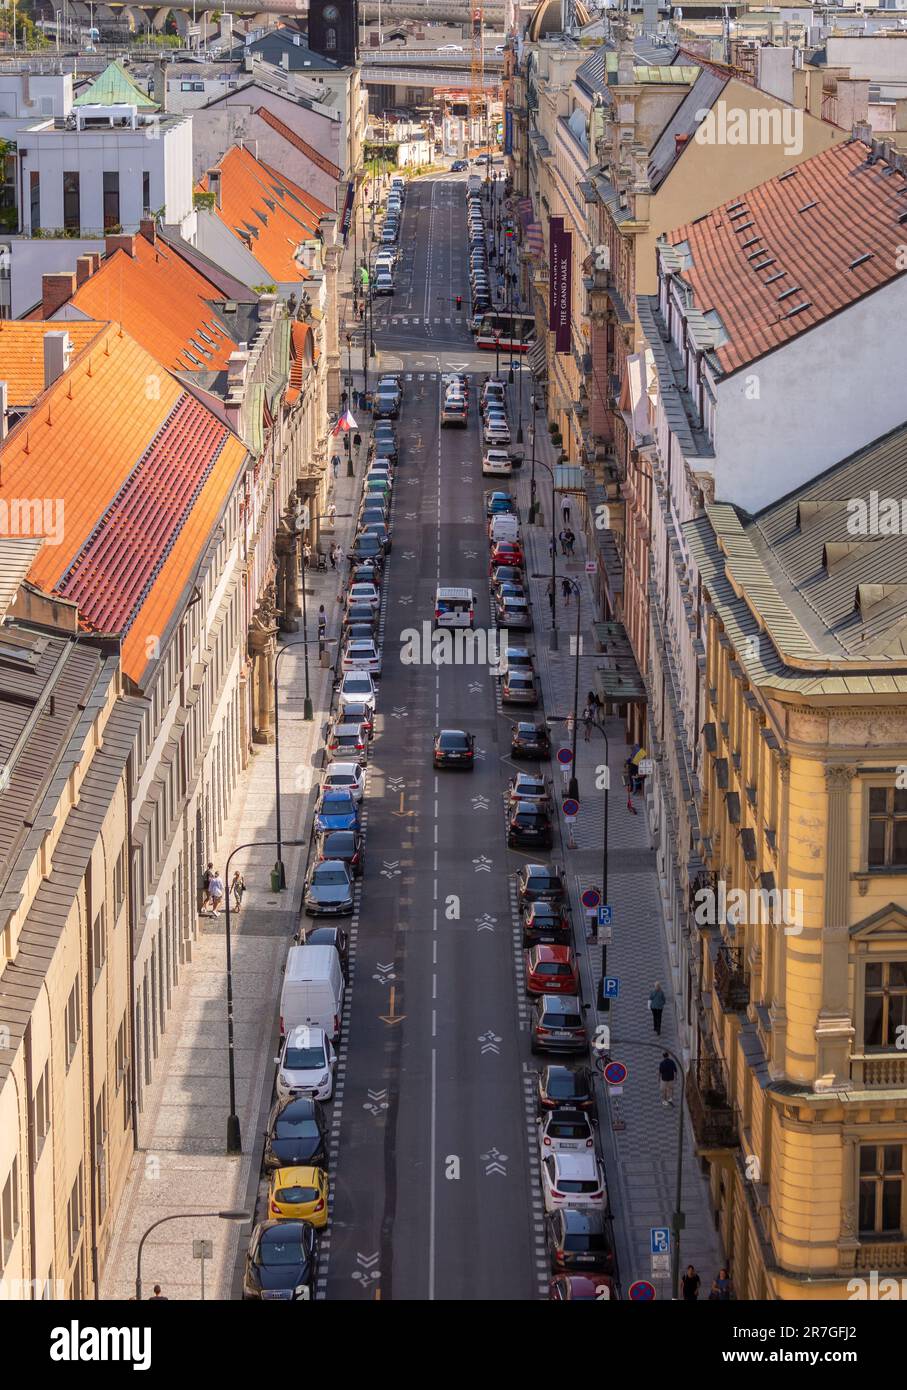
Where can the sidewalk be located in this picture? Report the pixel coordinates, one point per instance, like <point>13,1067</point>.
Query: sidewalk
<point>182,1164</point>
<point>643,1139</point>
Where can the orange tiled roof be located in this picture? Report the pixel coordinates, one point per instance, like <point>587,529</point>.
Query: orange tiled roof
<point>270,213</point>
<point>163,302</point>
<point>22,354</point>
<point>141,470</point>
<point>296,140</point>
<point>798,240</point>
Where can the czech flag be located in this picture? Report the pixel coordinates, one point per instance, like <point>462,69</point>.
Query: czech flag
<point>344,424</point>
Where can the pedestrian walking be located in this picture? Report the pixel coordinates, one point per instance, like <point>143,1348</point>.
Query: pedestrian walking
<point>338,554</point>
<point>689,1285</point>
<point>216,890</point>
<point>332,513</point>
<point>332,556</point>
<point>570,541</point>
<point>657,1004</point>
<point>551,594</point>
<point>157,1296</point>
<point>551,548</point>
<point>723,1285</point>
<point>306,555</point>
<point>594,700</point>
<point>357,441</point>
<point>344,399</point>
<point>630,806</point>
<point>237,888</point>
<point>667,1071</point>
<point>335,463</point>
<point>566,591</point>
<point>361,310</point>
<point>322,623</point>
<point>588,721</point>
<point>206,886</point>
<point>565,511</point>
<point>563,540</point>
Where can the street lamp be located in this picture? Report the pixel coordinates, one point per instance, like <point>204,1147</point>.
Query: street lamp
<point>234,1138</point>
<point>497,353</point>
<point>553,545</point>
<point>179,1216</point>
<point>573,788</point>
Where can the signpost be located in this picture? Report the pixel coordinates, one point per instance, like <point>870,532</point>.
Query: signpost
<point>641,1292</point>
<point>570,808</point>
<point>611,987</point>
<point>591,566</point>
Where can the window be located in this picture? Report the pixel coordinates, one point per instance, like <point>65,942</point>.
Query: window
<point>99,942</point>
<point>881,1189</point>
<point>887,828</point>
<point>146,191</point>
<point>119,883</point>
<point>75,1213</point>
<point>111,199</point>
<point>123,1078</point>
<point>100,1134</point>
<point>42,1109</point>
<point>72,219</point>
<point>34,191</point>
<point>330,38</point>
<point>9,1212</point>
<point>73,1021</point>
<point>885,1004</point>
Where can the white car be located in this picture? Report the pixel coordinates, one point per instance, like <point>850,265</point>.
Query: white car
<point>573,1180</point>
<point>384,282</point>
<point>363,593</point>
<point>344,777</point>
<point>306,1064</point>
<point>450,48</point>
<point>496,431</point>
<point>362,655</point>
<point>384,261</point>
<point>565,1131</point>
<point>358,688</point>
<point>496,463</point>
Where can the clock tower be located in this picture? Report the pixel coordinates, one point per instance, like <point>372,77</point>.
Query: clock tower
<point>334,30</point>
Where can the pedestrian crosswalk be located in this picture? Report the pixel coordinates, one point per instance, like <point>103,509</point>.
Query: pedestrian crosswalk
<point>401,321</point>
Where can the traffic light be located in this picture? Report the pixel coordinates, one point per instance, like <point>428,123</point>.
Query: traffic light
<point>459,302</point>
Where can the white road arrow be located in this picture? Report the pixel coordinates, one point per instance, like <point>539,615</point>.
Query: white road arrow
<point>479,803</point>
<point>385,972</point>
<point>405,599</point>
<point>483,865</point>
<point>391,868</point>
<point>494,1162</point>
<point>410,516</point>
<point>395,784</point>
<point>475,687</point>
<point>376,1102</point>
<point>399,712</point>
<point>485,923</point>
<point>489,1043</point>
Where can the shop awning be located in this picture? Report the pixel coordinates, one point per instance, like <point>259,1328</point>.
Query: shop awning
<point>538,359</point>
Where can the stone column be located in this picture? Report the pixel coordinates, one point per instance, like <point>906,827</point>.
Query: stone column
<point>778,983</point>
<point>262,632</point>
<point>834,1028</point>
<point>285,546</point>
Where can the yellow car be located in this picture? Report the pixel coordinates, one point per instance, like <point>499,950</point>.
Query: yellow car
<point>299,1194</point>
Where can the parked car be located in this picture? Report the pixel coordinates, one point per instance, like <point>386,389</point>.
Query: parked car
<point>361,655</point>
<point>507,553</point>
<point>453,748</point>
<point>530,786</point>
<point>359,688</point>
<point>551,970</point>
<point>496,463</point>
<point>573,1180</point>
<point>519,686</point>
<point>366,546</point>
<point>328,889</point>
<point>295,1134</point>
<point>564,1130</point>
<point>529,826</point>
<point>506,574</point>
<point>348,741</point>
<point>280,1261</point>
<point>336,810</point>
<point>557,1025</point>
<point>342,844</point>
<point>386,406</point>
<point>547,924</point>
<point>380,531</point>
<point>513,613</point>
<point>347,777</point>
<point>499,503</point>
<point>363,593</point>
<point>581,1288</point>
<point>539,883</point>
<point>459,165</point>
<point>333,935</point>
<point>520,659</point>
<point>530,741</point>
<point>384,283</point>
<point>299,1193</point>
<point>354,711</point>
<point>306,1064</point>
<point>580,1239</point>
<point>560,1086</point>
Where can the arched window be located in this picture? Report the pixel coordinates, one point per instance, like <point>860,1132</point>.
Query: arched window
<point>330,38</point>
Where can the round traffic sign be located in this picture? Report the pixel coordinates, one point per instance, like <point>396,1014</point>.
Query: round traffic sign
<point>565,756</point>
<point>591,898</point>
<point>615,1073</point>
<point>641,1292</point>
<point>570,806</point>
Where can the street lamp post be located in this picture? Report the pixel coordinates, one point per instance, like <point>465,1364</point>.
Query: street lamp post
<point>234,1137</point>
<point>573,787</point>
<point>553,547</point>
<point>533,506</point>
<point>497,354</point>
<point>179,1216</point>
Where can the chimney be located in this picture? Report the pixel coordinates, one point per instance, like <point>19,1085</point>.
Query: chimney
<point>900,115</point>
<point>4,410</point>
<point>121,242</point>
<point>285,61</point>
<point>213,177</point>
<point>799,97</point>
<point>147,229</point>
<point>57,355</point>
<point>267,308</point>
<point>237,366</point>
<point>56,290</point>
<point>84,269</point>
<point>160,85</point>
<point>815,95</point>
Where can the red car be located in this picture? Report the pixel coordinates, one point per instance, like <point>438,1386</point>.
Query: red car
<point>507,553</point>
<point>551,970</point>
<point>584,1288</point>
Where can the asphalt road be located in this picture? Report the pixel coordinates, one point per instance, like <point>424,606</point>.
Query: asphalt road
<point>433,1164</point>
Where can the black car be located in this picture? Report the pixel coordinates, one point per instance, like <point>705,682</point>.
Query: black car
<point>366,547</point>
<point>386,406</point>
<point>541,883</point>
<point>360,613</point>
<point>454,748</point>
<point>379,530</point>
<point>341,844</point>
<point>557,1025</point>
<point>366,573</point>
<point>530,741</point>
<point>459,165</point>
<point>579,1239</point>
<point>372,514</point>
<point>280,1262</point>
<point>330,936</point>
<point>565,1086</point>
<point>295,1135</point>
<point>506,574</point>
<point>546,924</point>
<point>529,824</point>
<point>384,443</point>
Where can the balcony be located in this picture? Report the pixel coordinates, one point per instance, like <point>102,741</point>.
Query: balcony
<point>884,1071</point>
<point>711,1114</point>
<point>732,979</point>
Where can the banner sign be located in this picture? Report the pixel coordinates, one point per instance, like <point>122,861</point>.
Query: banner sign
<point>508,132</point>
<point>347,212</point>
<point>560,267</point>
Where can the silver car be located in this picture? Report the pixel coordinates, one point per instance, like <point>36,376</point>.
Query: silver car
<point>329,890</point>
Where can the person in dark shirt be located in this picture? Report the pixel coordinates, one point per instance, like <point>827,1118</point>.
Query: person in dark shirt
<point>689,1285</point>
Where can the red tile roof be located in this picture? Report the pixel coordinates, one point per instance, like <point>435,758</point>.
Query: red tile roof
<point>139,473</point>
<point>163,302</point>
<point>798,240</point>
<point>22,354</point>
<point>296,140</point>
<point>270,213</point>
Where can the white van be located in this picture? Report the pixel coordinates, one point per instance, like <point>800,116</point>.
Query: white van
<point>454,607</point>
<point>312,990</point>
<point>503,527</point>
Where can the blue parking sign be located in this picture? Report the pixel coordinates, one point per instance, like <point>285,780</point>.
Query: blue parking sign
<point>605,915</point>
<point>660,1240</point>
<point>611,987</point>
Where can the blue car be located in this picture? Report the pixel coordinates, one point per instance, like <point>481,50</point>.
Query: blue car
<point>336,810</point>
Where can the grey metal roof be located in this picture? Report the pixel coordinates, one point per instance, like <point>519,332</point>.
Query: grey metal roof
<point>701,97</point>
<point>16,556</point>
<point>693,439</point>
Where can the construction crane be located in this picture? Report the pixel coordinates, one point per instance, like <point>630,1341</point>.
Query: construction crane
<point>477,71</point>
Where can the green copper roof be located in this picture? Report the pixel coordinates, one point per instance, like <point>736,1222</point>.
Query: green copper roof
<point>115,87</point>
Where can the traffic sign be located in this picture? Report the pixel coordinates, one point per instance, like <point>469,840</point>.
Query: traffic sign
<point>612,987</point>
<point>591,898</point>
<point>570,807</point>
<point>646,767</point>
<point>565,756</point>
<point>605,915</point>
<point>615,1073</point>
<point>660,1265</point>
<point>591,566</point>
<point>641,1292</point>
<point>660,1240</point>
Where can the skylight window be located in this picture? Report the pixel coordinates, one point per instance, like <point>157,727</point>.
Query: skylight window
<point>797,309</point>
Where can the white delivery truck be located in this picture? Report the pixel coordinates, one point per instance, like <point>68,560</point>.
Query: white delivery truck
<point>312,990</point>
